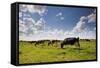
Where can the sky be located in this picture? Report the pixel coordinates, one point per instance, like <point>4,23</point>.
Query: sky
<point>38,22</point>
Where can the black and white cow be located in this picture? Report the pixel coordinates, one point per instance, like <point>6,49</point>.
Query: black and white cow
<point>87,39</point>
<point>39,42</point>
<point>32,42</point>
<point>51,42</point>
<point>70,41</point>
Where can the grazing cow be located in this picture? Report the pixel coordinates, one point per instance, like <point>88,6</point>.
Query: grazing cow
<point>87,39</point>
<point>70,41</point>
<point>39,42</point>
<point>32,42</point>
<point>52,42</point>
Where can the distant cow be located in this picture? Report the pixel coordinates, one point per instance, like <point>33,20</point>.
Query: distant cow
<point>39,42</point>
<point>70,41</point>
<point>32,42</point>
<point>87,39</point>
<point>53,42</point>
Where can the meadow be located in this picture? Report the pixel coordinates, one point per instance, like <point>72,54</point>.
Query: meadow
<point>42,53</point>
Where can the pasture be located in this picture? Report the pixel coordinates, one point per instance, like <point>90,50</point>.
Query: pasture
<point>29,53</point>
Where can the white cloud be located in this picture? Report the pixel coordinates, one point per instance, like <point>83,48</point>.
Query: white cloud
<point>40,24</point>
<point>83,18</point>
<point>50,34</point>
<point>58,34</point>
<point>23,8</point>
<point>20,14</point>
<point>29,21</point>
<point>80,25</point>
<point>33,9</point>
<point>62,18</point>
<point>22,28</point>
<point>94,28</point>
<point>59,14</point>
<point>28,26</point>
<point>85,34</point>
<point>92,18</point>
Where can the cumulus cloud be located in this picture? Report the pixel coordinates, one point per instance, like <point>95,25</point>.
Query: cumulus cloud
<point>23,8</point>
<point>20,14</point>
<point>80,25</point>
<point>91,18</point>
<point>22,28</point>
<point>87,34</point>
<point>40,24</point>
<point>28,26</point>
<point>32,8</point>
<point>29,21</point>
<point>53,34</point>
<point>57,34</point>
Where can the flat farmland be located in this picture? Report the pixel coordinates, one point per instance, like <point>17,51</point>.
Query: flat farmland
<point>42,53</point>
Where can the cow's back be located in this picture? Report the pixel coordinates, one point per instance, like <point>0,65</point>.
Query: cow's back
<point>70,41</point>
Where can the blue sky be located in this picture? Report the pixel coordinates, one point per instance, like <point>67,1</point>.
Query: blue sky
<point>52,22</point>
<point>71,16</point>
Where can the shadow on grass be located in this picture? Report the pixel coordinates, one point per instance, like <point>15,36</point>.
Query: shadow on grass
<point>73,48</point>
<point>77,48</point>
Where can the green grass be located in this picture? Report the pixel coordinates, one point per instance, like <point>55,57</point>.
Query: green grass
<point>28,53</point>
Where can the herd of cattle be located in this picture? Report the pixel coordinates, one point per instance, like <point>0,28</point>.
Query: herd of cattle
<point>66,41</point>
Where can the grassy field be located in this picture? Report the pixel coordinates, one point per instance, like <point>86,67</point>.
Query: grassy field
<point>28,53</point>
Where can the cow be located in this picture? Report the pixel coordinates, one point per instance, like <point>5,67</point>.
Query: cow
<point>32,42</point>
<point>87,39</point>
<point>39,42</point>
<point>70,41</point>
<point>51,42</point>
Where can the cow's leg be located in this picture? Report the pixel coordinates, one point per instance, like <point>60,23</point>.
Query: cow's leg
<point>43,44</point>
<point>52,43</point>
<point>49,43</point>
<point>62,45</point>
<point>78,45</point>
<point>56,44</point>
<point>35,44</point>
